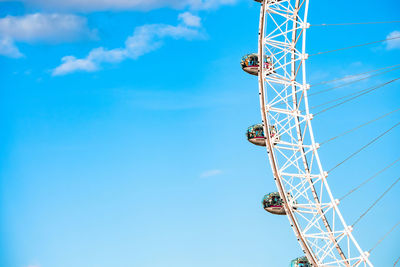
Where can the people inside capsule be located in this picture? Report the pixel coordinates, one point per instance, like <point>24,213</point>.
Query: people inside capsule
<point>255,134</point>
<point>250,64</point>
<point>273,203</point>
<point>300,262</point>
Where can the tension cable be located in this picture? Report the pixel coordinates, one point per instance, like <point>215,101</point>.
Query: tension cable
<point>365,146</point>
<point>376,202</point>
<point>383,238</point>
<point>355,46</point>
<point>369,179</point>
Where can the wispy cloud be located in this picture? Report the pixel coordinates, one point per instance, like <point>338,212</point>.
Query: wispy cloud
<point>210,173</point>
<point>209,4</point>
<point>395,43</point>
<point>54,28</point>
<point>101,5</point>
<point>190,19</point>
<point>8,48</point>
<point>45,27</point>
<point>145,39</point>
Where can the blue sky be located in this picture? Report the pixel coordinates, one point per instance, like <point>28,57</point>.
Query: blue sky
<point>123,133</point>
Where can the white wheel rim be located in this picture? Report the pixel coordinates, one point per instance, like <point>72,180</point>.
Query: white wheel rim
<point>313,213</point>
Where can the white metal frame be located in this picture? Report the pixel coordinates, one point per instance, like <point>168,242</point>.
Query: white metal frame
<point>313,213</point>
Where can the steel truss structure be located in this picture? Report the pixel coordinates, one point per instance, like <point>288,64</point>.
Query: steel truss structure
<point>313,213</point>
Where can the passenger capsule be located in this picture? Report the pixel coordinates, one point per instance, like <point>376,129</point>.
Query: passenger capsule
<point>273,204</point>
<point>255,135</point>
<point>300,262</point>
<point>250,64</point>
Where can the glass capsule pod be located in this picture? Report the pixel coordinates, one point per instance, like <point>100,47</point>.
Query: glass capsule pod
<point>273,203</point>
<point>250,64</point>
<point>255,135</point>
<point>300,262</point>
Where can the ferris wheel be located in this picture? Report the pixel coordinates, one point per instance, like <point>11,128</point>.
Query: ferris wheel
<point>303,193</point>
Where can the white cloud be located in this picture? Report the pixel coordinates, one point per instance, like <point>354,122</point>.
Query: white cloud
<point>53,28</point>
<point>8,49</point>
<point>395,43</point>
<point>71,63</point>
<point>210,4</point>
<point>144,40</point>
<point>45,27</point>
<point>190,19</point>
<point>210,173</point>
<point>98,5</point>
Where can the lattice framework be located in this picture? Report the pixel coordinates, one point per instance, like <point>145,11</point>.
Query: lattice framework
<point>313,213</point>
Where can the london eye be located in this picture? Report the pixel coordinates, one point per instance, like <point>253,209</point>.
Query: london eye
<point>304,194</point>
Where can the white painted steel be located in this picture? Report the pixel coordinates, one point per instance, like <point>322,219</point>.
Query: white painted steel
<point>313,213</point>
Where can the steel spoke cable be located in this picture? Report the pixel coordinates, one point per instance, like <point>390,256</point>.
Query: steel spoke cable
<point>369,179</point>
<point>353,76</point>
<point>337,99</point>
<point>355,46</point>
<point>362,92</point>
<point>351,82</point>
<point>354,93</point>
<point>370,89</point>
<point>365,146</point>
<point>358,127</point>
<point>384,237</point>
<point>354,23</point>
<point>375,202</point>
<point>396,262</point>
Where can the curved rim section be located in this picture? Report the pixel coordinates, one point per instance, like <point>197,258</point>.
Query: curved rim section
<point>312,211</point>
